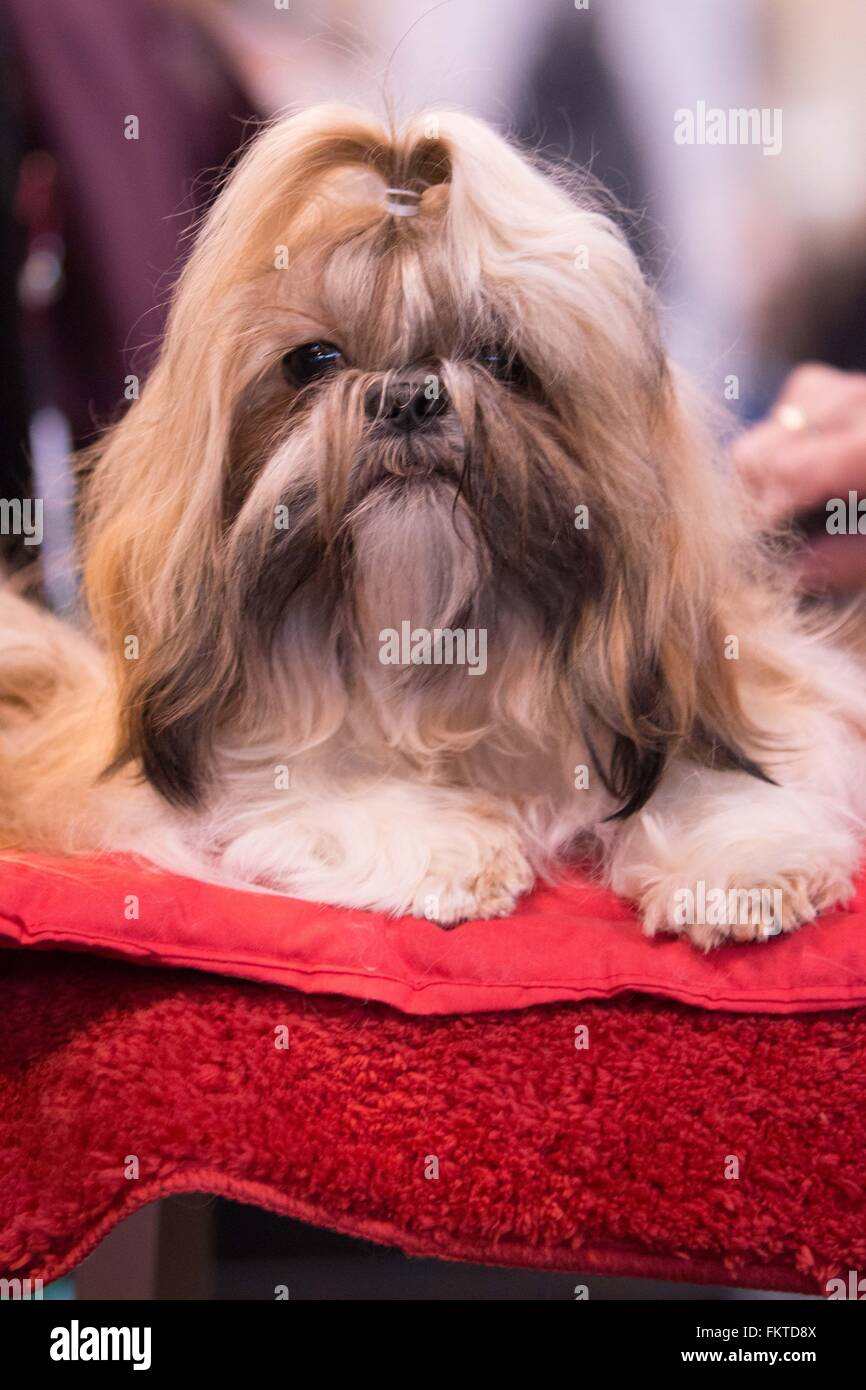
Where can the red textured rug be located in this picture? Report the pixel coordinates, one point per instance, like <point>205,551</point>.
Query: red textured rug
<point>608,1158</point>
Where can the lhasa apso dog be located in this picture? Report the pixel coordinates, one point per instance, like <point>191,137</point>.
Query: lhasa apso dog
<point>413,574</point>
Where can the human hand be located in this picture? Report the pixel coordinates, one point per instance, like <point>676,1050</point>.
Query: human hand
<point>811,449</point>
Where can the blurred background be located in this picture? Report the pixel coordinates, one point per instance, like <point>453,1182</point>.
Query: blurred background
<point>116,117</point>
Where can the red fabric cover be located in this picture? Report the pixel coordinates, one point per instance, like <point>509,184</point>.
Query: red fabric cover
<point>608,1159</point>
<point>575,941</point>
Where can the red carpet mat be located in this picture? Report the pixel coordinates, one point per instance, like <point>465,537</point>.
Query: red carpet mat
<point>608,1158</point>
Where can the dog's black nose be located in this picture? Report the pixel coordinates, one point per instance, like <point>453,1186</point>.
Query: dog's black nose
<point>407,404</point>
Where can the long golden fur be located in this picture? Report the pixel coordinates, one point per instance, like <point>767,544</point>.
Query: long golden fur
<point>249,537</point>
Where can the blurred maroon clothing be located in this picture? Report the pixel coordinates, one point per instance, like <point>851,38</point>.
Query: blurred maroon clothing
<point>82,67</point>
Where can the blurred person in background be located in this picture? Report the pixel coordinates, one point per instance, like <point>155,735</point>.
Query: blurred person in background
<point>115,120</point>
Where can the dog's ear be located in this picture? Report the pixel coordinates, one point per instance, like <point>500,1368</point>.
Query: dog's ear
<point>153,524</point>
<point>650,705</point>
<point>177,678</point>
<point>663,658</point>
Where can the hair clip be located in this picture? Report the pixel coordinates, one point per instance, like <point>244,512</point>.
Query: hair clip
<point>402,202</point>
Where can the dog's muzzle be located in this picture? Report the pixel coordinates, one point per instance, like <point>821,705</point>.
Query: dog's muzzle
<point>407,404</point>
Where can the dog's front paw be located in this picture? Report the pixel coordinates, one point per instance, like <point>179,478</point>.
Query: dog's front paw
<point>711,912</point>
<point>484,883</point>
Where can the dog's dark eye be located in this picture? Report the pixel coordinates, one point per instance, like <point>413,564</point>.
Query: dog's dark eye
<point>310,361</point>
<point>502,364</point>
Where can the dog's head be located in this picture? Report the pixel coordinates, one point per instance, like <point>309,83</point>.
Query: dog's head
<point>408,376</point>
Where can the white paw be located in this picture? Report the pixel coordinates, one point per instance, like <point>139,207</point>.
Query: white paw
<point>715,910</point>
<point>461,887</point>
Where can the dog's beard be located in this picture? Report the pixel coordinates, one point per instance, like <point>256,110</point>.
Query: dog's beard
<point>417,555</point>
<point>417,558</point>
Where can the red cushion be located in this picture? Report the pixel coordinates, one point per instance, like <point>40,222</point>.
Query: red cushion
<point>575,942</point>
